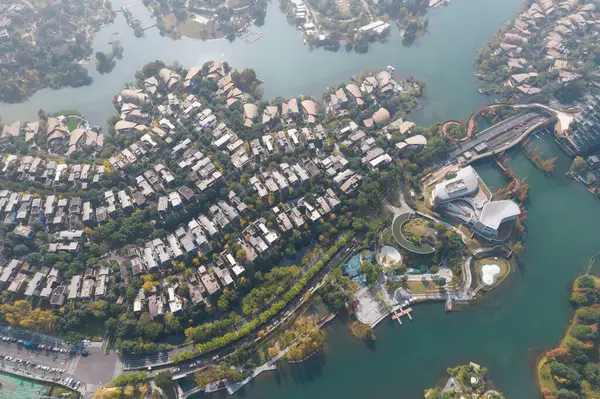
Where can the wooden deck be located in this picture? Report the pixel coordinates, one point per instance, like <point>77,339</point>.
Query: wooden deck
<point>398,313</point>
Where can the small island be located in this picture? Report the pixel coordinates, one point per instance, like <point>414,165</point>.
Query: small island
<point>470,381</point>
<point>206,20</point>
<point>355,23</point>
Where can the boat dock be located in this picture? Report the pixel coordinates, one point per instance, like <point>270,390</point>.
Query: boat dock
<point>399,312</point>
<point>251,36</point>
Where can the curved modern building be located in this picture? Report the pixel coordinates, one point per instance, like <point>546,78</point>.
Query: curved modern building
<point>465,198</point>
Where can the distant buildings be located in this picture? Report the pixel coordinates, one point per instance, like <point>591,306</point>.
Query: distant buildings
<point>586,128</point>
<point>375,29</point>
<point>21,280</point>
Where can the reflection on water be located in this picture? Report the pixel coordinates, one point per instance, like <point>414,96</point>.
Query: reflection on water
<point>443,59</point>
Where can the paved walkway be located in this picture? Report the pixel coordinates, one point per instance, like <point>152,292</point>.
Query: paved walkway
<point>451,385</point>
<point>369,310</point>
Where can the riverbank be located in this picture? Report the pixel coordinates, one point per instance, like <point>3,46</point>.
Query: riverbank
<point>556,369</point>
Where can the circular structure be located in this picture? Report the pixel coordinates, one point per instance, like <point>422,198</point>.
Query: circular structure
<point>489,273</point>
<point>388,256</point>
<point>399,221</point>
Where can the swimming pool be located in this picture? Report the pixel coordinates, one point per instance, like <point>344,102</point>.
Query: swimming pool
<point>351,268</point>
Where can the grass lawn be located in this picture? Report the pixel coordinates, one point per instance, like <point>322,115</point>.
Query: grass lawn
<point>191,28</point>
<point>424,206</point>
<point>421,287</point>
<point>71,122</point>
<point>398,227</point>
<point>416,226</point>
<point>485,190</point>
<point>500,261</point>
<point>544,377</point>
<point>471,243</point>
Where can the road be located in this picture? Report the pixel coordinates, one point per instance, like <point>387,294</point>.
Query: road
<point>565,117</point>
<point>189,367</point>
<point>501,133</point>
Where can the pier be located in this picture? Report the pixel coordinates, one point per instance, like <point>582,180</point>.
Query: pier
<point>401,312</point>
<point>251,36</point>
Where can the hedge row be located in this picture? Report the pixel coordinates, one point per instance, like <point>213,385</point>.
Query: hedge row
<point>267,315</point>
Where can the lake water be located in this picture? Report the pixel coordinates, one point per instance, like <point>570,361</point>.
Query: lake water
<point>443,59</point>
<point>505,332</point>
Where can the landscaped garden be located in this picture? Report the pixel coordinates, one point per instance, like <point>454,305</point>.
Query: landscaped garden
<point>414,234</point>
<point>492,270</point>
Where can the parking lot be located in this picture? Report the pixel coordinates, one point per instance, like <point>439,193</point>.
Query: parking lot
<point>45,361</point>
<point>42,357</point>
<point>34,337</point>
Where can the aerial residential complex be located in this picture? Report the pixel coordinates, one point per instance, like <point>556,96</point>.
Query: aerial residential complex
<point>585,129</point>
